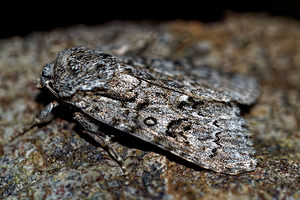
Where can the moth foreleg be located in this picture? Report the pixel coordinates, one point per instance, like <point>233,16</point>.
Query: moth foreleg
<point>92,129</point>
<point>43,117</point>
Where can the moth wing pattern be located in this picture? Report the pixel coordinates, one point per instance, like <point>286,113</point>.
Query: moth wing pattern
<point>196,79</point>
<point>181,115</point>
<point>215,140</point>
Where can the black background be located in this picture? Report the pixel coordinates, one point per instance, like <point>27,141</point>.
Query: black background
<point>22,18</point>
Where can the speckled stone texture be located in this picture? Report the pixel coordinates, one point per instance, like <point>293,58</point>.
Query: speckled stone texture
<point>58,161</point>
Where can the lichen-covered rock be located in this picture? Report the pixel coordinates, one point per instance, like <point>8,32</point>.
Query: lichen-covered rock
<point>58,161</point>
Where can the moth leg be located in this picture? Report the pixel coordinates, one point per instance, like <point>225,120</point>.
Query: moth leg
<point>43,117</point>
<point>104,140</point>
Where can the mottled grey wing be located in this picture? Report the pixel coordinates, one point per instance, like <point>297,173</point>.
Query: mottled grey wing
<point>178,111</point>
<point>198,80</point>
<point>210,134</point>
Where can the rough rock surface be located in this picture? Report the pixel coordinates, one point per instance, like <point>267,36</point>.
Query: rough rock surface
<point>58,161</point>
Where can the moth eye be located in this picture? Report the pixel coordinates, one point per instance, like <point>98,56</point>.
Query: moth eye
<point>48,70</point>
<point>150,121</point>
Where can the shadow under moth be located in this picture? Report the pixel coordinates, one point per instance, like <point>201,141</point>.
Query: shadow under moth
<point>189,111</point>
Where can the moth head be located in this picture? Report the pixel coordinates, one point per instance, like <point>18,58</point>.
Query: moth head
<point>47,74</point>
<point>46,80</point>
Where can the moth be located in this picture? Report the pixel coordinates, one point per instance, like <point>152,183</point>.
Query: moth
<point>189,111</point>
